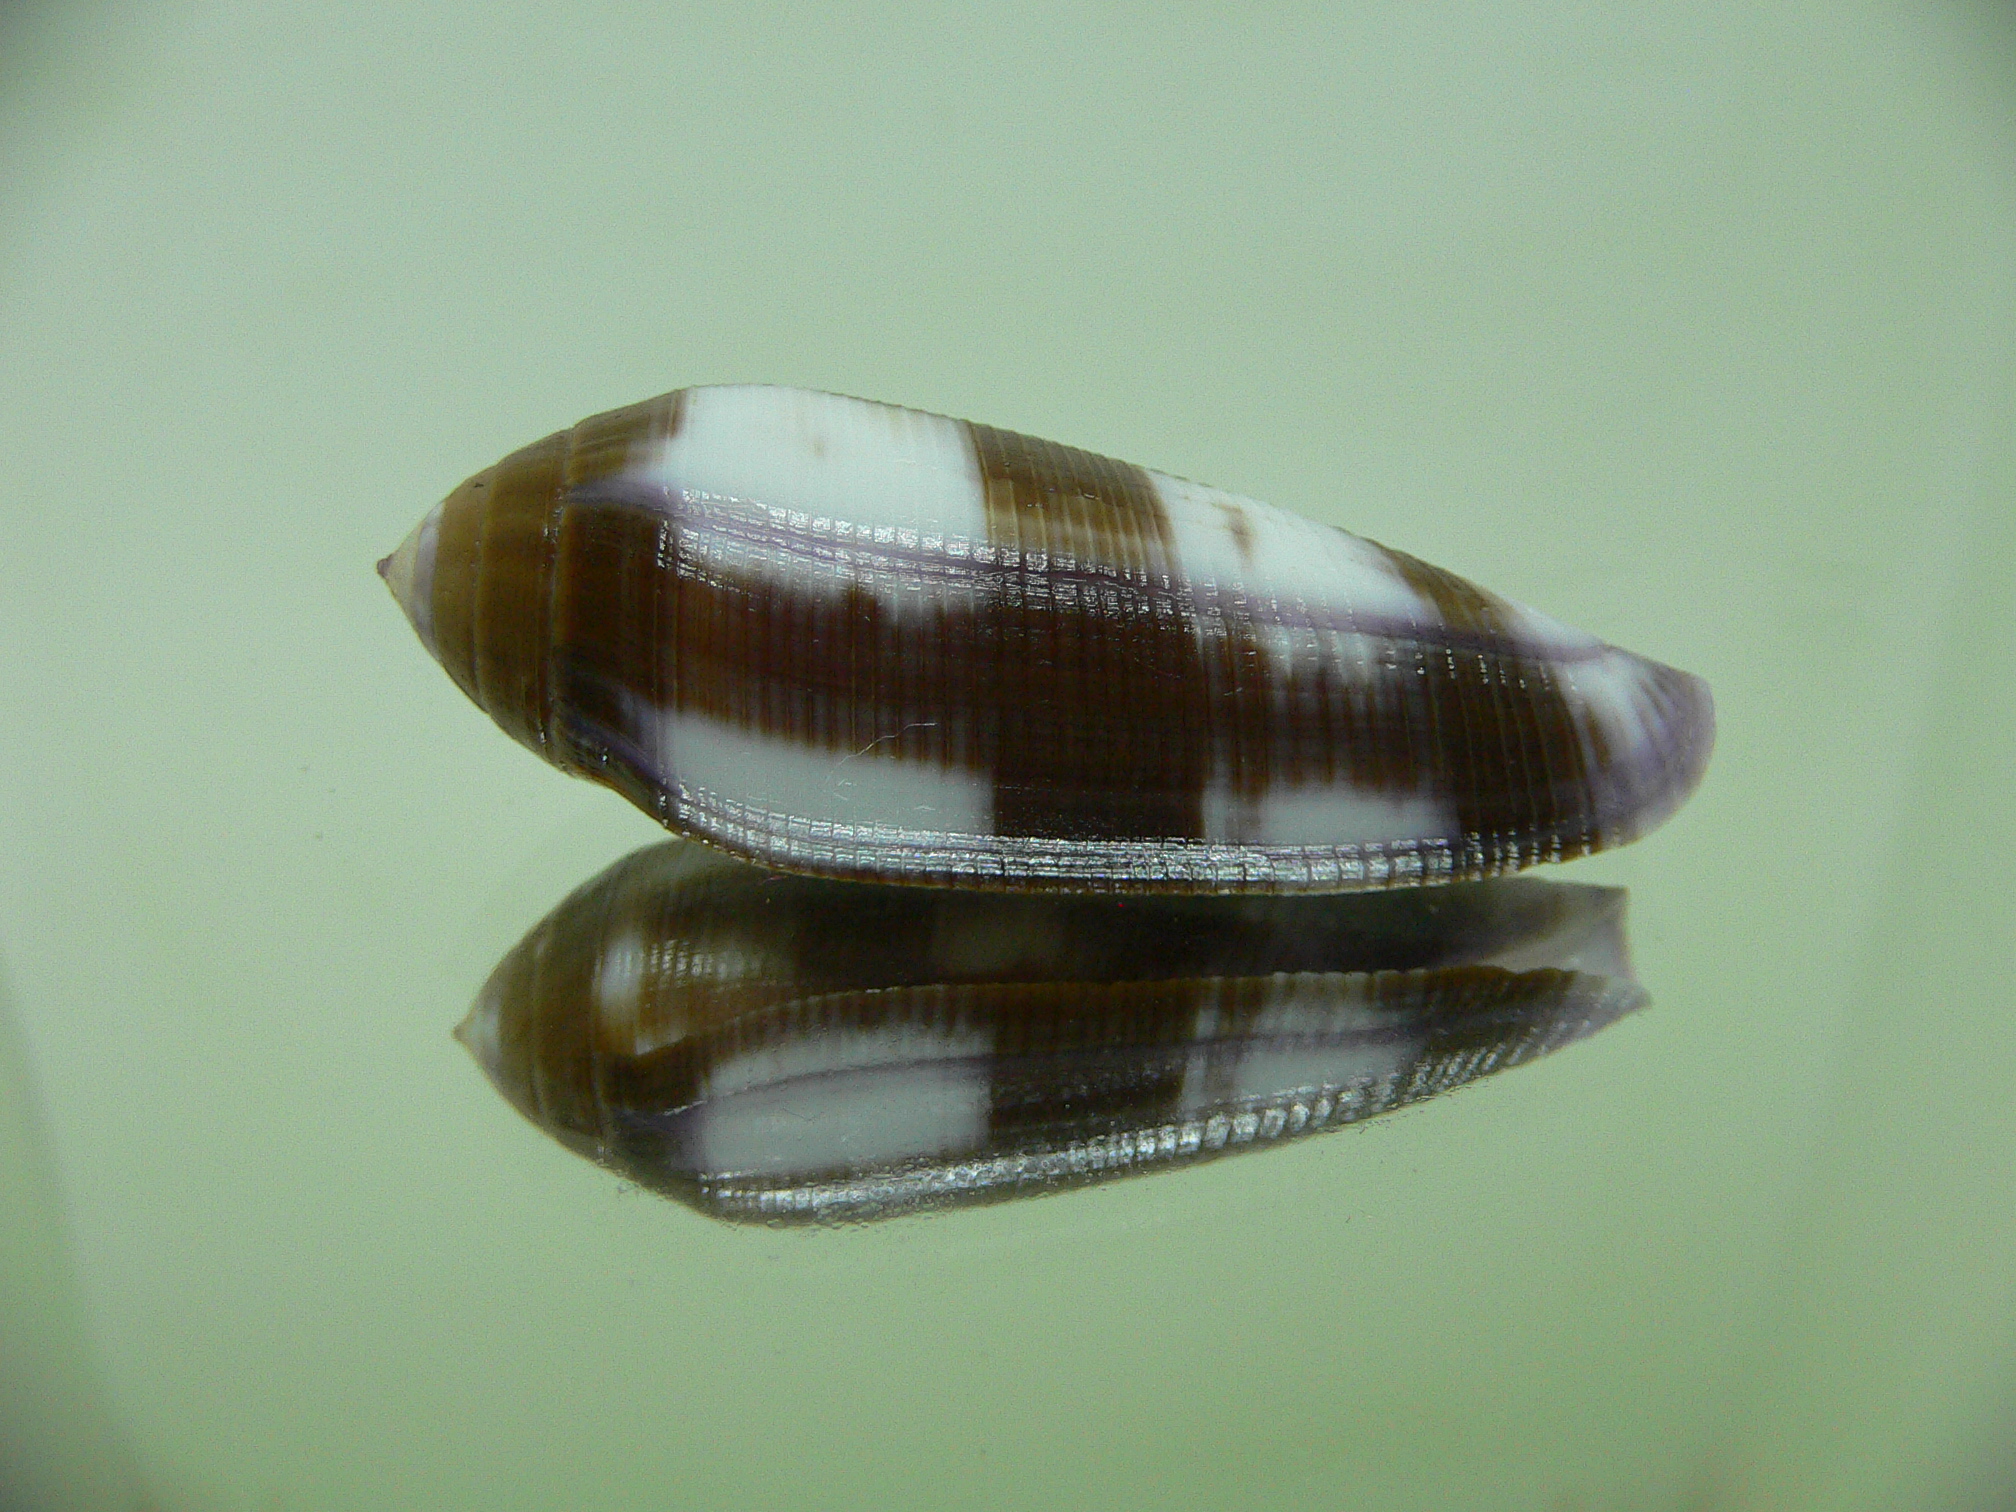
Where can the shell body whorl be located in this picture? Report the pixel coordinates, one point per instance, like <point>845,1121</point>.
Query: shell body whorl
<point>843,638</point>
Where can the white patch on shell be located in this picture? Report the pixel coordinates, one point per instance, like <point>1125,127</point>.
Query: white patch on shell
<point>1273,557</point>
<point>802,487</point>
<point>1611,691</point>
<point>1656,724</point>
<point>620,974</point>
<point>856,791</point>
<point>850,1099</point>
<point>1324,816</point>
<point>619,981</point>
<point>409,573</point>
<point>1544,633</point>
<point>1307,1035</point>
<point>1303,1040</point>
<point>479,1032</point>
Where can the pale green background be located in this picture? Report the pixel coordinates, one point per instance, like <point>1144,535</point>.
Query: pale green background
<point>1691,324</point>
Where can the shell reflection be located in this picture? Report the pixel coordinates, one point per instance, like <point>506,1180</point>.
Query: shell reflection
<point>781,1048</point>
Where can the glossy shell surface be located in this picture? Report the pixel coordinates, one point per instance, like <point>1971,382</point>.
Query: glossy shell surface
<point>844,638</point>
<point>779,1048</point>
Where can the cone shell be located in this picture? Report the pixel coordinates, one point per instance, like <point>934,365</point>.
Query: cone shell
<point>848,639</point>
<point>786,1049</point>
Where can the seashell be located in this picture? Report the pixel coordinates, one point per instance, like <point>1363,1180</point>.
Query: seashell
<point>843,638</point>
<point>779,1048</point>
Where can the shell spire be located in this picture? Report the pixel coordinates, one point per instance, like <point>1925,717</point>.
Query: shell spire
<point>848,639</point>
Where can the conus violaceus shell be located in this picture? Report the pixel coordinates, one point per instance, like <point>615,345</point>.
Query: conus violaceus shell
<point>843,638</point>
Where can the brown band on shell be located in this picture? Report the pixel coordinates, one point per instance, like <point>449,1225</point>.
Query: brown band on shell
<point>549,1046</point>
<point>1062,1062</point>
<point>514,576</point>
<point>458,563</point>
<point>1100,693</point>
<point>623,440</point>
<point>1021,1024</point>
<point>1506,746</point>
<point>832,671</point>
<point>613,604</point>
<point>1250,706</point>
<point>1058,502</point>
<point>508,596</point>
<point>1099,706</point>
<point>1088,716</point>
<point>1036,1023</point>
<point>1124,1088</point>
<point>821,937</point>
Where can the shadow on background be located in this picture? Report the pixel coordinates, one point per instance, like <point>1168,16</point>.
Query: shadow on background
<point>60,1449</point>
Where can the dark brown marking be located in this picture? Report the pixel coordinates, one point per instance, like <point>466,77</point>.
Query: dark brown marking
<point>615,441</point>
<point>497,572</point>
<point>614,595</point>
<point>614,600</point>
<point>1058,501</point>
<point>1099,698</point>
<point>550,1049</point>
<point>457,564</point>
<point>1076,1060</point>
<point>514,574</point>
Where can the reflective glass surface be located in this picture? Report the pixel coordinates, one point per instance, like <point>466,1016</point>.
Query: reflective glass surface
<point>1689,325</point>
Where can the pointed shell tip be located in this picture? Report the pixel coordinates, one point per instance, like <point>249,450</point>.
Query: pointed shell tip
<point>409,573</point>
<point>478,1033</point>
